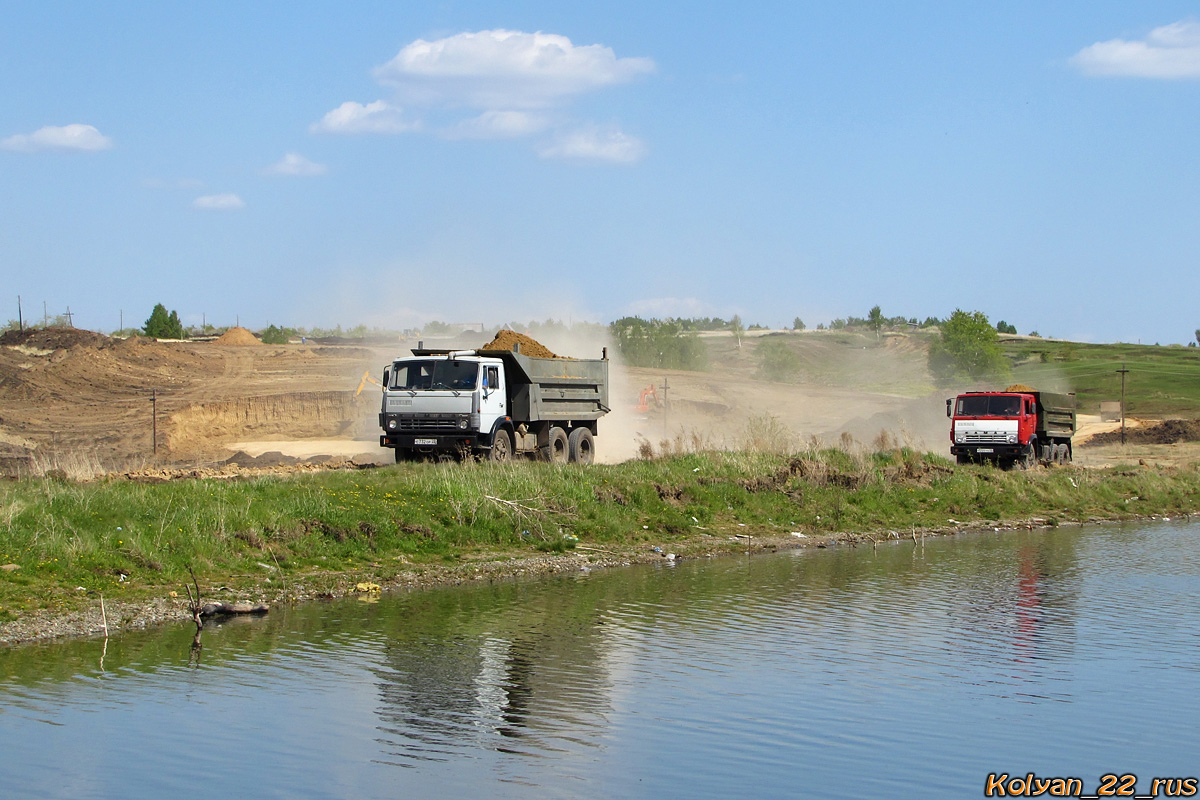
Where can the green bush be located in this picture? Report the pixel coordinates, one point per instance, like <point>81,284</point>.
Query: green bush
<point>274,335</point>
<point>777,361</point>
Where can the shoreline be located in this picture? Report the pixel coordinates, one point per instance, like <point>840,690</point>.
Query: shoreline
<point>164,606</point>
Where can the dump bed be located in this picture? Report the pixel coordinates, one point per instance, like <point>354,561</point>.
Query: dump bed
<point>1055,415</point>
<point>554,389</point>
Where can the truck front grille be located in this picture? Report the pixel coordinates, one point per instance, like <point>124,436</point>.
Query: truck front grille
<point>985,437</point>
<point>442,423</point>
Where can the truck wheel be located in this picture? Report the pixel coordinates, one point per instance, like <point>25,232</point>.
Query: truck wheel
<point>581,446</point>
<point>963,458</point>
<point>1029,458</point>
<point>557,449</point>
<point>403,454</point>
<point>501,447</point>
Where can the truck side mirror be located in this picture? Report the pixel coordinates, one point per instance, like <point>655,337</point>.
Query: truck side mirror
<point>949,401</point>
<point>387,374</point>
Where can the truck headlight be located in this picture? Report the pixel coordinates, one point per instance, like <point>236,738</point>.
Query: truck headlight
<point>391,424</point>
<point>1012,438</point>
<point>462,423</point>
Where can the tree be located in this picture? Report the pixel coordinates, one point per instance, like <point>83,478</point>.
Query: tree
<point>968,349</point>
<point>1198,334</point>
<point>798,325</point>
<point>1004,327</point>
<point>163,325</point>
<point>662,344</point>
<point>875,319</point>
<point>737,329</point>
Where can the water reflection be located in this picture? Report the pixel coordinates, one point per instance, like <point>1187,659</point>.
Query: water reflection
<point>919,665</point>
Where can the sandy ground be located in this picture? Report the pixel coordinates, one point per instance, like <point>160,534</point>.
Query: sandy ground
<point>72,398</point>
<point>361,452</point>
<point>84,403</point>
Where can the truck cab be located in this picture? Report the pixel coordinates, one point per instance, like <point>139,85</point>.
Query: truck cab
<point>442,402</point>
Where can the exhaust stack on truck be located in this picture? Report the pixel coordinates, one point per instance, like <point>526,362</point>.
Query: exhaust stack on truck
<point>1016,427</point>
<point>494,403</point>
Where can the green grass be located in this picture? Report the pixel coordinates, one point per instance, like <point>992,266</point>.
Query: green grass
<point>1161,382</point>
<point>73,541</point>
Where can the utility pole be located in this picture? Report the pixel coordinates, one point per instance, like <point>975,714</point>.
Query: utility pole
<point>1123,372</point>
<point>70,318</point>
<point>666,408</point>
<point>45,316</point>
<point>154,417</point>
<point>20,322</point>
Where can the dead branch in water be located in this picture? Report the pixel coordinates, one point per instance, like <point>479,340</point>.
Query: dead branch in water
<point>195,607</point>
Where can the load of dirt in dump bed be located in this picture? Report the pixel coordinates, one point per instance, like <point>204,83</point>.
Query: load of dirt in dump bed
<point>237,336</point>
<point>53,338</point>
<point>508,340</point>
<point>1169,431</point>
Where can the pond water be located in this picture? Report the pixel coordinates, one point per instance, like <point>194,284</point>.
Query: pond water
<point>913,670</point>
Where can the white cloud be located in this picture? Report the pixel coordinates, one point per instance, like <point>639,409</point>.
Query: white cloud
<point>352,117</point>
<point>218,202</point>
<point>296,164</point>
<point>594,144</point>
<point>54,137</point>
<point>663,307</point>
<point>498,125</point>
<point>495,84</point>
<point>1169,52</point>
<point>500,69</point>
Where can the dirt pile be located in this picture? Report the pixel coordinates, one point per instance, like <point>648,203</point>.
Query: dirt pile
<point>237,336</point>
<point>508,340</point>
<point>1169,431</point>
<point>54,338</point>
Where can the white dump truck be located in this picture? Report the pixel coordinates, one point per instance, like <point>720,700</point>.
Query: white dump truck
<point>496,404</point>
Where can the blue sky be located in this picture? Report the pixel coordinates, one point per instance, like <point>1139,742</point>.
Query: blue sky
<point>394,163</point>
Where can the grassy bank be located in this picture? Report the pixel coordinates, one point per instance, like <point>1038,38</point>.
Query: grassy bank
<point>75,541</point>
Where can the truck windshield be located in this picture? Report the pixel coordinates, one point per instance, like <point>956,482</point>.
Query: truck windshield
<point>420,376</point>
<point>995,405</point>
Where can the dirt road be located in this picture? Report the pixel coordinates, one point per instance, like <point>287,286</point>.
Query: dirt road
<point>81,402</point>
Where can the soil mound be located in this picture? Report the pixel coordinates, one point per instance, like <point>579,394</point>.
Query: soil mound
<point>1169,431</point>
<point>508,340</point>
<point>54,338</point>
<point>237,336</point>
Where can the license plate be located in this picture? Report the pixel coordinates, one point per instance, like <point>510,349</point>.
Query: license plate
<point>980,450</point>
<point>425,442</point>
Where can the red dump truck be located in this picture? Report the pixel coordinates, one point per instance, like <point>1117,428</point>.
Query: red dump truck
<point>1017,427</point>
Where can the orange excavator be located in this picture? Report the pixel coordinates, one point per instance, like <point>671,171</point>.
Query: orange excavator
<point>648,395</point>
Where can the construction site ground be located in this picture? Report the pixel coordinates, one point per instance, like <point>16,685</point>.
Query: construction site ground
<point>86,404</point>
